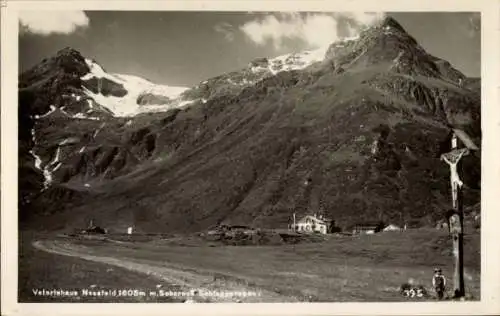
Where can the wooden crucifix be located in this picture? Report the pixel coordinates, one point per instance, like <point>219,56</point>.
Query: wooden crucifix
<point>455,217</point>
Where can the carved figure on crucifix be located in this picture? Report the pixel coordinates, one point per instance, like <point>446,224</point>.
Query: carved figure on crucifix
<point>455,215</point>
<point>452,158</point>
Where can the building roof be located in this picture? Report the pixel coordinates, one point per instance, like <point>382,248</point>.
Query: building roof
<point>313,218</point>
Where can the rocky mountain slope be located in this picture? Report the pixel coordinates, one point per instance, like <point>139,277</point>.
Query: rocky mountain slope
<point>355,132</point>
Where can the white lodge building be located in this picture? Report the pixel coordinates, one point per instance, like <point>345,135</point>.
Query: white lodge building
<point>311,223</point>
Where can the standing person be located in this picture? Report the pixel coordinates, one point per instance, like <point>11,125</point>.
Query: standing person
<point>439,283</point>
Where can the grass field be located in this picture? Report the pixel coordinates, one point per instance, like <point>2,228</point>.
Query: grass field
<point>41,270</point>
<point>367,268</point>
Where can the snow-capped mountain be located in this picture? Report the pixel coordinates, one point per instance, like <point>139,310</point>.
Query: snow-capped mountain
<point>257,70</point>
<point>77,87</point>
<point>287,62</point>
<point>140,95</point>
<point>362,118</point>
<point>297,60</point>
<point>90,92</point>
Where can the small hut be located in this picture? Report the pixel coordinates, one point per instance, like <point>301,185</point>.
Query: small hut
<point>367,228</point>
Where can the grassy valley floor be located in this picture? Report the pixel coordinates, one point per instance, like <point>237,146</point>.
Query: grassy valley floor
<point>42,270</point>
<point>368,268</point>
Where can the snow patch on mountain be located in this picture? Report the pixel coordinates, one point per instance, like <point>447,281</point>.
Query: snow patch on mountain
<point>344,40</point>
<point>80,115</point>
<point>33,136</point>
<point>135,86</point>
<point>57,156</point>
<point>292,61</point>
<point>69,141</point>
<point>48,178</point>
<point>96,71</point>
<point>299,60</point>
<point>57,166</point>
<point>162,108</point>
<point>52,109</point>
<point>149,87</point>
<point>77,97</point>
<point>39,162</point>
<point>98,130</point>
<point>51,167</point>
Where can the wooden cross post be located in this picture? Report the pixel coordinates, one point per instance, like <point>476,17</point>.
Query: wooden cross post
<point>455,220</point>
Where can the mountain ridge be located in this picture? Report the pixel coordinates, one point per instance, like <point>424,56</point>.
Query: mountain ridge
<point>360,126</point>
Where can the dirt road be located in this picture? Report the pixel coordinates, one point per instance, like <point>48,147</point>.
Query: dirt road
<point>185,280</point>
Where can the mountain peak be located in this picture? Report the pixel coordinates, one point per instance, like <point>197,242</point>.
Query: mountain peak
<point>67,61</point>
<point>71,60</point>
<point>391,23</point>
<point>387,43</point>
<point>68,51</point>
